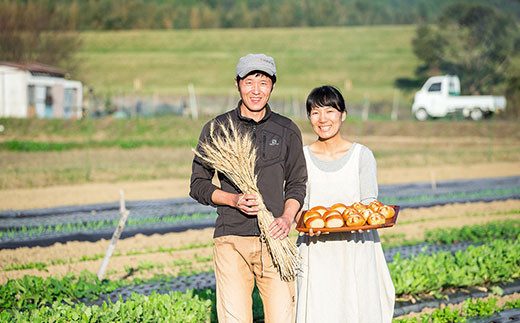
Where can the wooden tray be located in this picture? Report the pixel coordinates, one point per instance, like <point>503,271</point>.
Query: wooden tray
<point>389,223</point>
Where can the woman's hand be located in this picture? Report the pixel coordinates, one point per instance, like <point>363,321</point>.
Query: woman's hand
<point>317,234</point>
<point>247,203</point>
<point>312,233</point>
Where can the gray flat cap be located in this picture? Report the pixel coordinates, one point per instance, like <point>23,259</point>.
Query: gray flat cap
<point>256,62</point>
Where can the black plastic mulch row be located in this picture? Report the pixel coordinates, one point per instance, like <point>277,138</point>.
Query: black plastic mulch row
<point>88,208</point>
<point>506,316</point>
<point>93,236</point>
<point>448,187</point>
<point>440,202</point>
<point>83,215</point>
<point>181,283</point>
<point>403,308</point>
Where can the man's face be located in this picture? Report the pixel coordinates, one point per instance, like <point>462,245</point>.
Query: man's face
<point>255,90</point>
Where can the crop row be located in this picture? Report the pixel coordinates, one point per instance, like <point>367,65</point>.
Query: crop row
<point>34,232</point>
<point>494,262</point>
<point>470,309</point>
<point>172,307</point>
<point>31,292</point>
<point>476,233</point>
<point>452,196</point>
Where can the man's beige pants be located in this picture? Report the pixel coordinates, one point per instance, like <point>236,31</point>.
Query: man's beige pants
<point>238,262</point>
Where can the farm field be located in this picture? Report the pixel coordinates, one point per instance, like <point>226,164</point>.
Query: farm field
<point>370,58</point>
<point>122,155</point>
<point>162,257</point>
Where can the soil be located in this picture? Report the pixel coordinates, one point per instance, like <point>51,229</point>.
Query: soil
<point>19,199</point>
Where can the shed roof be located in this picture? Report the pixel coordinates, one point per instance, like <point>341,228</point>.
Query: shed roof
<point>37,68</point>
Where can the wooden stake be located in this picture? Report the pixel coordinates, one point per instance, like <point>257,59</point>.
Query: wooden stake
<point>432,179</point>
<point>115,237</point>
<point>395,105</point>
<point>295,108</point>
<point>193,102</point>
<point>366,107</point>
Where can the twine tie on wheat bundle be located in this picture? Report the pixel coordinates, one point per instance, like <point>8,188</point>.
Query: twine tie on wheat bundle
<point>232,153</point>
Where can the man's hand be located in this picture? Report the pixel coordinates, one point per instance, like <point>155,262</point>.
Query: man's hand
<point>280,227</point>
<point>247,203</point>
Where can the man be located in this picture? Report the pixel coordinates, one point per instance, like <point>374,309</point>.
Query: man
<point>239,255</point>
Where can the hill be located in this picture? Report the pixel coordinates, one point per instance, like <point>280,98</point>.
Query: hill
<point>362,61</point>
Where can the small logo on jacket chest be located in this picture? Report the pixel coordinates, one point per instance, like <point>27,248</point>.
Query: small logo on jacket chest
<point>274,142</point>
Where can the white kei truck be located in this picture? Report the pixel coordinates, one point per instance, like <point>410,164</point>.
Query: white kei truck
<point>440,96</point>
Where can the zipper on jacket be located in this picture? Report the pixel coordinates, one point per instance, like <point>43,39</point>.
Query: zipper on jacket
<point>263,146</point>
<point>254,133</point>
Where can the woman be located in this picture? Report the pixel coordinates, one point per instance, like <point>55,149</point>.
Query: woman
<point>344,276</point>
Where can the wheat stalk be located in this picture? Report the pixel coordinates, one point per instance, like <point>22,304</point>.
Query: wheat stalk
<point>232,153</point>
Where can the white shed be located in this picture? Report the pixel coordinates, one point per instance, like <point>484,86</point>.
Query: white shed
<point>37,90</point>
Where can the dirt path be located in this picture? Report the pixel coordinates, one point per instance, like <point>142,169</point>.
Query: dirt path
<point>171,188</point>
<point>141,254</point>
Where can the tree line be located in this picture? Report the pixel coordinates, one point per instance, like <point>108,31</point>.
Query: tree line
<point>186,14</point>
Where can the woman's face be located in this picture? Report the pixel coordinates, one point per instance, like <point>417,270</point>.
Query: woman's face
<point>326,121</point>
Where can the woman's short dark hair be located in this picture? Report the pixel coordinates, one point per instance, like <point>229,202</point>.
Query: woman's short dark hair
<point>325,96</point>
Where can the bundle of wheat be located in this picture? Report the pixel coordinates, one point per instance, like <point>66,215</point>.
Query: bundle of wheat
<point>232,153</point>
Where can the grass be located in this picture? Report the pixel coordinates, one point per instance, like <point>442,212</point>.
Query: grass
<point>176,131</point>
<point>39,153</point>
<point>370,57</point>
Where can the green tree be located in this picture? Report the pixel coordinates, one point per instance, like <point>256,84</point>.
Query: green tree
<point>474,41</point>
<point>513,91</point>
<point>30,32</point>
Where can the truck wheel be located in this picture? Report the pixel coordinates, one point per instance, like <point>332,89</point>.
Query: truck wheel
<point>476,114</point>
<point>421,114</point>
